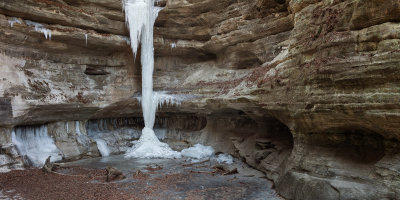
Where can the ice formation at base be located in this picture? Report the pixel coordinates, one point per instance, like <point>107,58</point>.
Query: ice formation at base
<point>148,146</point>
<point>34,143</point>
<point>103,148</point>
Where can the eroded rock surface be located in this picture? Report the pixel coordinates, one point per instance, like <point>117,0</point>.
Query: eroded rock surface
<point>306,90</point>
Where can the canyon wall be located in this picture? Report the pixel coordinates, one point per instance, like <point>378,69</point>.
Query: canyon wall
<point>305,90</point>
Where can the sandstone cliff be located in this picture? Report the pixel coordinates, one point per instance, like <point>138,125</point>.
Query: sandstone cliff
<point>306,90</point>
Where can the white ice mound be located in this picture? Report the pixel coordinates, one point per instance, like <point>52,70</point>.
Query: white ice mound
<point>148,146</point>
<point>198,151</point>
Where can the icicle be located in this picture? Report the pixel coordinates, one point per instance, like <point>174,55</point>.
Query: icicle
<point>162,98</point>
<point>81,138</point>
<point>137,17</point>
<point>14,20</point>
<point>103,148</point>
<point>127,40</point>
<point>77,129</point>
<point>39,28</point>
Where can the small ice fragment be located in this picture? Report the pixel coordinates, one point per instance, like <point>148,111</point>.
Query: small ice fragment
<point>173,45</point>
<point>224,158</point>
<point>127,40</point>
<point>14,20</point>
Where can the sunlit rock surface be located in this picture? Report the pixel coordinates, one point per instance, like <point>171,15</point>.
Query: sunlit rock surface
<point>305,90</point>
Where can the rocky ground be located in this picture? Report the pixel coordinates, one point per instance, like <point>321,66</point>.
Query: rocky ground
<point>167,179</point>
<point>36,184</point>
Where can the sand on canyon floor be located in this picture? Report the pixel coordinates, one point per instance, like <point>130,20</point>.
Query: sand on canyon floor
<point>144,179</point>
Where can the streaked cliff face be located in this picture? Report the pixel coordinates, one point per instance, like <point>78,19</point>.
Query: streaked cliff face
<point>326,72</point>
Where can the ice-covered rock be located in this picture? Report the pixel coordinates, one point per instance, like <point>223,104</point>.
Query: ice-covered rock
<point>35,143</point>
<point>39,28</point>
<point>14,20</point>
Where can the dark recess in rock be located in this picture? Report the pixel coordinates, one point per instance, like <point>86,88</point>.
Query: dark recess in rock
<point>95,71</point>
<point>5,108</point>
<point>354,144</point>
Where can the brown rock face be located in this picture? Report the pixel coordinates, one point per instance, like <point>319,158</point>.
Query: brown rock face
<point>305,90</point>
<point>369,13</point>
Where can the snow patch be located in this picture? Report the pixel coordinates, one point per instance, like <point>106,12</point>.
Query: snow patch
<point>4,169</point>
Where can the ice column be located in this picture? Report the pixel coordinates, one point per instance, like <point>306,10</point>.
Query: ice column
<point>140,18</point>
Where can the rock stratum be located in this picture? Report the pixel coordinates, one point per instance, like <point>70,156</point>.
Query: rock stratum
<point>305,90</point>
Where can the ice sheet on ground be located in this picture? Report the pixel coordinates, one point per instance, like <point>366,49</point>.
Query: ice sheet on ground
<point>223,158</point>
<point>198,151</point>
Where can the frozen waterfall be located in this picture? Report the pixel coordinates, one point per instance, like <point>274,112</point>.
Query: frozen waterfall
<point>34,143</point>
<point>140,18</point>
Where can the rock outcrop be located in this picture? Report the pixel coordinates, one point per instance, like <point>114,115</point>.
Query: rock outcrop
<point>305,90</point>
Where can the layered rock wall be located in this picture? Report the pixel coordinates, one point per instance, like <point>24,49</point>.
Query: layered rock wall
<point>306,90</point>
